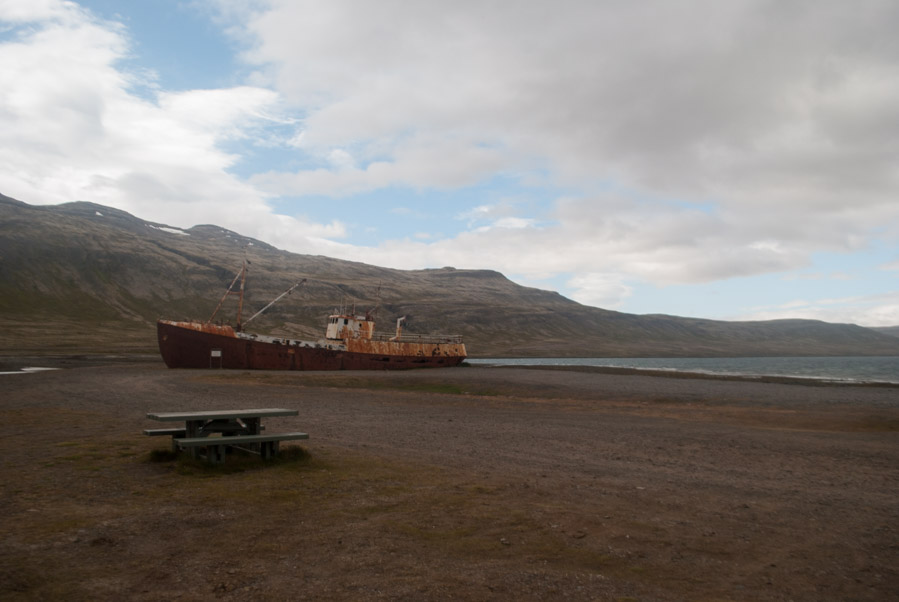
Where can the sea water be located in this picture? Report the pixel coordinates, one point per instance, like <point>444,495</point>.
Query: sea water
<point>848,369</point>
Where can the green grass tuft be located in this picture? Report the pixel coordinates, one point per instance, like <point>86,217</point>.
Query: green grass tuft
<point>238,461</point>
<point>162,455</point>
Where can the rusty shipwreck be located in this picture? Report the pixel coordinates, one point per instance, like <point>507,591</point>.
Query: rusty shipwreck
<point>350,343</point>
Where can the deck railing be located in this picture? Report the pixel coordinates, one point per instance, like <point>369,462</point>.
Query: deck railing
<point>432,339</point>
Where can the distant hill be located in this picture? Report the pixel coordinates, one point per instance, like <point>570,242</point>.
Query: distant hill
<point>890,330</point>
<point>83,277</point>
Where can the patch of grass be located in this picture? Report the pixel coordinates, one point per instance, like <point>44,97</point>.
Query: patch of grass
<point>81,456</point>
<point>19,578</point>
<point>481,490</point>
<point>341,381</point>
<point>90,467</point>
<point>467,527</point>
<point>881,424</point>
<point>237,461</point>
<point>445,388</point>
<point>48,528</point>
<point>292,456</point>
<point>90,454</point>
<point>639,570</point>
<point>162,455</point>
<point>431,388</point>
<point>463,540</point>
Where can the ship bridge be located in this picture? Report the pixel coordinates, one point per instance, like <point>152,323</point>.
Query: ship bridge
<point>343,326</point>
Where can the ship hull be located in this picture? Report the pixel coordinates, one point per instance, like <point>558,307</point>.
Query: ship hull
<point>192,345</point>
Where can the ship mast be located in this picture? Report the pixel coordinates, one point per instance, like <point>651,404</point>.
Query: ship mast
<point>276,299</point>
<point>242,276</point>
<point>372,314</point>
<point>243,280</point>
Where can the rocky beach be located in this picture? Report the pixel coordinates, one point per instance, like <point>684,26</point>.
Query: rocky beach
<point>472,483</point>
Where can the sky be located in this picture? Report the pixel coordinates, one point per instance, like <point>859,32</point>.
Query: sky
<point>730,160</point>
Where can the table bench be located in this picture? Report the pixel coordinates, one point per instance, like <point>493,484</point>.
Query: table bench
<point>216,430</point>
<point>215,446</point>
<point>176,433</point>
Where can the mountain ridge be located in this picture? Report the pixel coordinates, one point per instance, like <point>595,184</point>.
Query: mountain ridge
<point>85,276</point>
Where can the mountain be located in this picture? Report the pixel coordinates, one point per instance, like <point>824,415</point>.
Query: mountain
<point>890,330</point>
<point>84,277</point>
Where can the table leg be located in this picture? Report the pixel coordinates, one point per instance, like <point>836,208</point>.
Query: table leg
<point>268,450</point>
<point>253,425</point>
<point>215,454</point>
<point>192,428</point>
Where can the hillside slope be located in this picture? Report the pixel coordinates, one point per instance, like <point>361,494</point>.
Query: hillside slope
<point>83,277</point>
<point>890,330</point>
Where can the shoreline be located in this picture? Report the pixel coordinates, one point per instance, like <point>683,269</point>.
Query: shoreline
<point>810,381</point>
<point>16,363</point>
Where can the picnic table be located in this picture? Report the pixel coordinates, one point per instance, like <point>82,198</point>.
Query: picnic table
<point>211,432</point>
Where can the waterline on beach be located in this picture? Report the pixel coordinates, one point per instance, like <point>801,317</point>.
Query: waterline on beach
<point>840,369</point>
<point>29,370</point>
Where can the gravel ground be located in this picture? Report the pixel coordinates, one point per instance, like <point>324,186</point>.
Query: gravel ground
<point>467,483</point>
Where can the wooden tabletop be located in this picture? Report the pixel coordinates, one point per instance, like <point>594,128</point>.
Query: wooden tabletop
<point>220,414</point>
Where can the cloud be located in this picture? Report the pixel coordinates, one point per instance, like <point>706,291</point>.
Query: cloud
<point>866,310</point>
<point>492,213</point>
<point>723,100</point>
<point>29,11</point>
<point>420,162</point>
<point>600,290</point>
<point>654,242</point>
<point>74,127</point>
<point>782,118</point>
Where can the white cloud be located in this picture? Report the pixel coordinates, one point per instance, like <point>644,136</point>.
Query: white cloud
<point>868,310</point>
<point>508,223</point>
<point>504,209</point>
<point>720,99</point>
<point>600,290</point>
<point>223,114</point>
<point>656,243</point>
<point>420,162</point>
<point>773,115</point>
<point>28,11</point>
<point>74,129</point>
<point>341,159</point>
